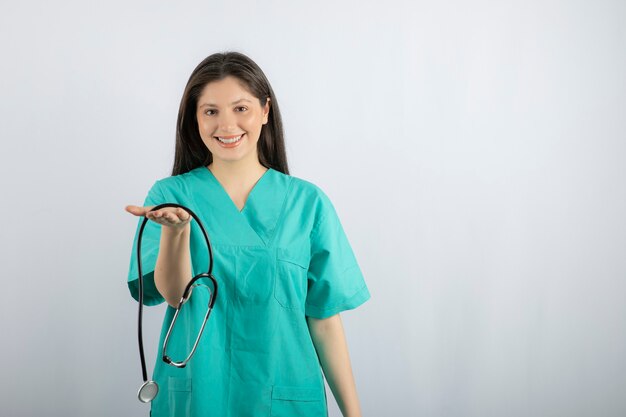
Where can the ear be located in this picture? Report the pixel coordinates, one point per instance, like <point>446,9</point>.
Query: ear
<point>266,111</point>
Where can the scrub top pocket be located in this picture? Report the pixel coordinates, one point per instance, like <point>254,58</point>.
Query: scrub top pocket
<point>291,278</point>
<point>179,396</point>
<point>298,401</point>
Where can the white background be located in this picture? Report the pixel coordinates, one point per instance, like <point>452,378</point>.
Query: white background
<point>474,152</point>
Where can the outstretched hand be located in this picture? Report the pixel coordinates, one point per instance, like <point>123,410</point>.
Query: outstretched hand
<point>175,217</point>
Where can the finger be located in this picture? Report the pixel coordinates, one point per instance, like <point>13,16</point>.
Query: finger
<point>154,216</point>
<point>138,210</point>
<point>159,217</point>
<point>183,215</point>
<point>173,218</point>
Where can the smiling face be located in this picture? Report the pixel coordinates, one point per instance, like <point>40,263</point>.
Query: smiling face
<point>230,119</point>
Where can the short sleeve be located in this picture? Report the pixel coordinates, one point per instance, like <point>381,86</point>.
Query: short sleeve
<point>150,241</point>
<point>335,282</point>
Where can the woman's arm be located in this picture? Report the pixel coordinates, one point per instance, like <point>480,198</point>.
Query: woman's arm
<point>330,342</point>
<point>173,265</point>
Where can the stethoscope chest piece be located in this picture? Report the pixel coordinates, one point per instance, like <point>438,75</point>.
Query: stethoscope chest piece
<point>148,391</point>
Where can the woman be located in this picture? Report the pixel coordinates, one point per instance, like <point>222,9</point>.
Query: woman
<point>284,266</point>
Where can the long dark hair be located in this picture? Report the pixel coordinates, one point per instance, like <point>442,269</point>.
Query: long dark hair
<point>191,152</point>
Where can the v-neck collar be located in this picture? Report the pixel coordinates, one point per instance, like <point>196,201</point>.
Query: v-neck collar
<point>261,212</point>
<point>254,187</point>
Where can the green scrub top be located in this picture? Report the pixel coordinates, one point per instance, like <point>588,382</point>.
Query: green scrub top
<point>283,257</point>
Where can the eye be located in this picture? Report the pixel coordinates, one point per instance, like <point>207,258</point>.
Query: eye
<point>242,107</point>
<point>207,112</point>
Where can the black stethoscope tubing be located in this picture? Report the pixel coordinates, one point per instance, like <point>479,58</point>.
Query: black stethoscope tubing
<point>149,389</point>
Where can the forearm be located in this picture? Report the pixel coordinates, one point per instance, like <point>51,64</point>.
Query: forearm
<point>330,342</point>
<point>173,266</point>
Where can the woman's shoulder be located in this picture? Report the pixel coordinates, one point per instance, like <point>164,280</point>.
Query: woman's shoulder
<point>310,195</point>
<point>304,190</point>
<point>176,184</point>
<point>306,187</point>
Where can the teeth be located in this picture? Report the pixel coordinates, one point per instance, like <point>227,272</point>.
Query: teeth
<point>227,141</point>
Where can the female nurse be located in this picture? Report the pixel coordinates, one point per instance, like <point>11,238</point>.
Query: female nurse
<point>283,262</point>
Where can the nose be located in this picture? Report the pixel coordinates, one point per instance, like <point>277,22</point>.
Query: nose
<point>227,122</point>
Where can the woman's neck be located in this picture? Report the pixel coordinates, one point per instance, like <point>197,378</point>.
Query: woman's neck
<point>238,174</point>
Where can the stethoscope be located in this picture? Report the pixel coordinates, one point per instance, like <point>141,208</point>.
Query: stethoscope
<point>149,389</point>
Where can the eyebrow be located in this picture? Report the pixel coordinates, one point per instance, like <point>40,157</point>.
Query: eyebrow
<point>234,102</point>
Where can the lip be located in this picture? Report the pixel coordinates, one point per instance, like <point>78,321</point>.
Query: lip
<point>228,137</point>
<point>230,145</point>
